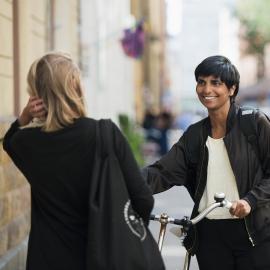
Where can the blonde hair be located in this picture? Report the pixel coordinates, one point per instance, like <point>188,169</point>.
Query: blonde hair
<point>56,79</point>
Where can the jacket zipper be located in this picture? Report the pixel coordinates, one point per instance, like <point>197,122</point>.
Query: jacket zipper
<point>249,236</point>
<point>200,177</point>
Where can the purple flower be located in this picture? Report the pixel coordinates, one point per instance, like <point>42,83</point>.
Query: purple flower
<point>133,41</point>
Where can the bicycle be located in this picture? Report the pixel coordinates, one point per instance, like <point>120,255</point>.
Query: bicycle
<point>186,223</point>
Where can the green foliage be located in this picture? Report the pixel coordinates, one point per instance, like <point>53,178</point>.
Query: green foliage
<point>254,16</point>
<point>134,137</point>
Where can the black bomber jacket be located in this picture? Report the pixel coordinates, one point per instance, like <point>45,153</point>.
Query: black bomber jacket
<point>186,164</point>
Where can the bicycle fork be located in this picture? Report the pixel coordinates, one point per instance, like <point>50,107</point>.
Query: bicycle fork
<point>187,261</point>
<point>164,219</point>
<point>163,225</point>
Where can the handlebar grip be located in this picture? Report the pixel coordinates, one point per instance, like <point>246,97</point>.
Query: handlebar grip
<point>228,205</point>
<point>152,217</point>
<point>178,222</point>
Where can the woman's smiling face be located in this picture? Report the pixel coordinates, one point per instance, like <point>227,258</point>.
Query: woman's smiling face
<point>213,93</point>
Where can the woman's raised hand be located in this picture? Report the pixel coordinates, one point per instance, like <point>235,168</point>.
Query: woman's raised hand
<point>34,109</point>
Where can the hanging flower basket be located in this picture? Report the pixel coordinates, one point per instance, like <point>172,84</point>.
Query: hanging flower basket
<point>133,41</point>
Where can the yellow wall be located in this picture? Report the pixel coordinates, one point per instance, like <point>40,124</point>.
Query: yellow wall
<point>152,76</point>
<point>157,50</point>
<point>66,34</point>
<point>34,31</point>
<point>139,10</point>
<point>14,190</point>
<point>6,59</point>
<point>34,28</point>
<point>32,38</point>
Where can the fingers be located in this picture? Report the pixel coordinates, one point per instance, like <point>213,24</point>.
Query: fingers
<point>35,102</point>
<point>36,107</point>
<point>240,208</point>
<point>32,98</point>
<point>233,208</point>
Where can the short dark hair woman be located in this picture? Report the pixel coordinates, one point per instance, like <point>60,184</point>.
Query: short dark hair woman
<point>214,155</point>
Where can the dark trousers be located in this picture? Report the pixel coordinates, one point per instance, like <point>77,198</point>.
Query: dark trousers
<point>224,245</point>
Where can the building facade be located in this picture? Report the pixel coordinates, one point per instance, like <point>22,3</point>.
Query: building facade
<point>205,28</point>
<point>90,30</point>
<point>28,28</point>
<point>150,71</point>
<point>108,73</point>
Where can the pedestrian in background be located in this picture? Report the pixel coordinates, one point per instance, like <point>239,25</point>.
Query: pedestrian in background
<point>214,155</point>
<point>158,133</point>
<point>53,143</point>
<point>162,126</point>
<point>149,119</point>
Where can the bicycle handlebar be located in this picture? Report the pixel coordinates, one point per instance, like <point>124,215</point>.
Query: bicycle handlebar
<point>186,222</point>
<point>168,219</point>
<point>224,203</point>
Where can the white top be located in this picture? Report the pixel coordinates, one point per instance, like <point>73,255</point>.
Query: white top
<point>220,178</point>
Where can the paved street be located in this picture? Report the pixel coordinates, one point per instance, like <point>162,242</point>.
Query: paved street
<point>177,203</point>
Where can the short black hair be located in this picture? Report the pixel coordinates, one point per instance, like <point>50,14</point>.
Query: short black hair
<point>220,67</point>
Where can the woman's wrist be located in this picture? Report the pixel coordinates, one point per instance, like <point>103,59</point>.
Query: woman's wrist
<point>24,118</point>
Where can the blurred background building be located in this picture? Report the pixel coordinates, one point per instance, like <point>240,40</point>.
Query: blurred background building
<point>136,56</point>
<point>91,31</point>
<point>108,73</point>
<point>203,28</point>
<point>28,28</point>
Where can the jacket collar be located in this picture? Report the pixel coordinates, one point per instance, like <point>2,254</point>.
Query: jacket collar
<point>231,118</point>
<point>232,114</point>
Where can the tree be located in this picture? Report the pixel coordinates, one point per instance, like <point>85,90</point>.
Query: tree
<point>254,17</point>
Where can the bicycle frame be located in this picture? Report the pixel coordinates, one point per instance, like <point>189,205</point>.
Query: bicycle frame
<point>186,223</point>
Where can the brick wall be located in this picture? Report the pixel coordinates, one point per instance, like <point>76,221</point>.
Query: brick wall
<point>14,212</point>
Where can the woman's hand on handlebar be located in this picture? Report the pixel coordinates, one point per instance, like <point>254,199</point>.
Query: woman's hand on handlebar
<point>240,208</point>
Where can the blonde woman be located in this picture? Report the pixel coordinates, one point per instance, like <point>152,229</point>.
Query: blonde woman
<point>53,144</point>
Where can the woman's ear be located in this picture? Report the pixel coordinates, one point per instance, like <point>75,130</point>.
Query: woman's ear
<point>231,91</point>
